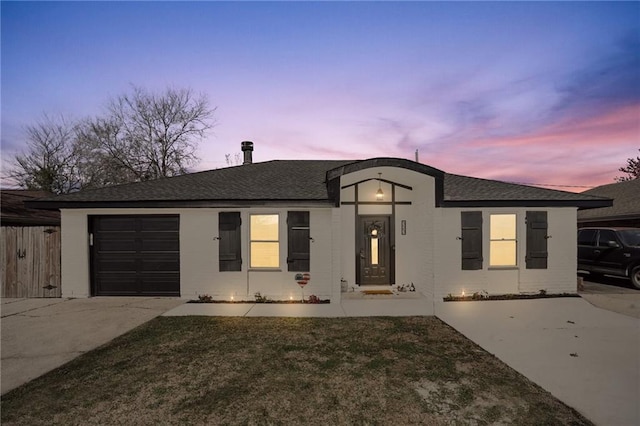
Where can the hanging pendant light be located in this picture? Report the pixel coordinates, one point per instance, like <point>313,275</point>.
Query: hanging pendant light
<point>379,193</point>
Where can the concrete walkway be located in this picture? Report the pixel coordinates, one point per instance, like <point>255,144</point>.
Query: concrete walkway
<point>586,356</point>
<point>39,335</point>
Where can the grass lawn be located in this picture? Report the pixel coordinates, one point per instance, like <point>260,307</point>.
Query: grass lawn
<point>207,370</point>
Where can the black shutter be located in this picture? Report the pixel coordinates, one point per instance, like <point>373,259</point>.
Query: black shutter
<point>298,239</point>
<point>536,240</point>
<point>230,254</point>
<point>471,240</point>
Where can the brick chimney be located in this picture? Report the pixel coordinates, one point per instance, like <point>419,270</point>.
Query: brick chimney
<point>247,150</point>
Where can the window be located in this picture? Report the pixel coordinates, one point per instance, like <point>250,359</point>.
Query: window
<point>631,237</point>
<point>502,237</point>
<point>229,252</point>
<point>587,237</point>
<point>374,247</point>
<point>265,245</point>
<point>606,235</point>
<point>298,241</point>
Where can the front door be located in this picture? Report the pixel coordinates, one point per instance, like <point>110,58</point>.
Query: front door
<point>374,247</point>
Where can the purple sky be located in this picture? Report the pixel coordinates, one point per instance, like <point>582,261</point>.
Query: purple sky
<point>536,92</point>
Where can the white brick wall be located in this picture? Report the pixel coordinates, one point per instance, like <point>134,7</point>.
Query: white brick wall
<point>559,277</point>
<point>199,255</point>
<point>428,255</point>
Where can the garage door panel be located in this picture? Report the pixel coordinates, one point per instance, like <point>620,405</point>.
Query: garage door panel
<point>116,266</point>
<point>116,223</point>
<point>159,265</point>
<point>115,284</point>
<point>136,255</point>
<point>159,224</point>
<point>126,245</point>
<point>159,283</point>
<point>157,235</point>
<point>160,245</point>
<point>114,235</point>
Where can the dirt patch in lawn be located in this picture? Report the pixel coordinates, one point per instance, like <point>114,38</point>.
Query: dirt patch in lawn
<point>207,370</point>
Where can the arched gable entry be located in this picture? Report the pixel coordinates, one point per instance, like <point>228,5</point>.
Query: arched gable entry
<point>378,197</point>
<point>375,233</point>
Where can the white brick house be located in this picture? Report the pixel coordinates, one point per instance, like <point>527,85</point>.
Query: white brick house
<point>232,232</point>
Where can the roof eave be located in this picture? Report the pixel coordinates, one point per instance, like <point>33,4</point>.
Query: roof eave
<point>580,204</point>
<point>384,162</point>
<point>57,205</point>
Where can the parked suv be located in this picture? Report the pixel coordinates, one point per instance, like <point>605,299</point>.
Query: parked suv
<point>612,251</point>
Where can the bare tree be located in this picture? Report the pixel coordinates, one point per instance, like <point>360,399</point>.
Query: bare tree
<point>235,161</point>
<point>149,136</point>
<point>632,170</point>
<point>99,165</point>
<point>142,136</point>
<point>49,162</point>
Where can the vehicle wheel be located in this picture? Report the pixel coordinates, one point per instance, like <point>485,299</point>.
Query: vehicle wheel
<point>635,277</point>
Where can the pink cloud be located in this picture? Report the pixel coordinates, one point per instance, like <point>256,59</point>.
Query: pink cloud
<point>617,126</point>
<point>583,153</point>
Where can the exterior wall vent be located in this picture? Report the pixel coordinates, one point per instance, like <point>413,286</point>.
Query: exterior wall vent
<point>247,150</point>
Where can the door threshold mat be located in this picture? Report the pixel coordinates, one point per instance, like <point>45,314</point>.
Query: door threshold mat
<point>377,292</point>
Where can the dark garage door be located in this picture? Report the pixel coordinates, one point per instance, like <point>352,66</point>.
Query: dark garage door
<point>135,255</point>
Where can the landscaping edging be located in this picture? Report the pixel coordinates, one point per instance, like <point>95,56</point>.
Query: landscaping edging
<point>253,302</point>
<point>480,297</point>
<point>313,299</point>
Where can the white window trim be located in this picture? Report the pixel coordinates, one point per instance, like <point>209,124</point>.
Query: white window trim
<point>515,240</point>
<point>251,241</point>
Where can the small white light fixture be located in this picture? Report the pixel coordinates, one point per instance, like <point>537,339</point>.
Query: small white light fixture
<point>232,298</point>
<point>462,293</point>
<point>379,193</point>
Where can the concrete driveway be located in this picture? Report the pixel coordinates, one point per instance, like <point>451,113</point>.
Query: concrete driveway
<point>39,335</point>
<point>586,356</point>
<point>613,294</point>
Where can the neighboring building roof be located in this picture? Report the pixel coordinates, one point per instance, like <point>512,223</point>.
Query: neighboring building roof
<point>304,181</point>
<point>626,202</point>
<point>14,213</point>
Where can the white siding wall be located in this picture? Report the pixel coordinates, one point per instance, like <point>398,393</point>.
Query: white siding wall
<point>336,254</point>
<point>347,236</point>
<point>559,277</point>
<point>74,254</point>
<point>199,255</point>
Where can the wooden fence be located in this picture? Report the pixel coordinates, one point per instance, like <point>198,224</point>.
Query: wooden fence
<point>30,261</point>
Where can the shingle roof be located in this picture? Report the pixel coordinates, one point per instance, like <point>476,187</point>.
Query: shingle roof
<point>14,212</point>
<point>271,180</point>
<point>626,202</point>
<point>297,181</point>
<point>464,188</point>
